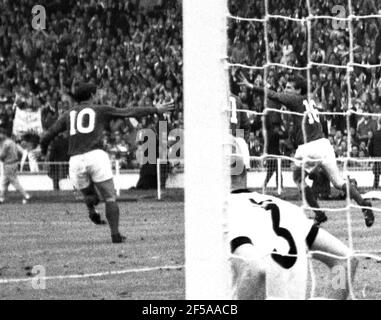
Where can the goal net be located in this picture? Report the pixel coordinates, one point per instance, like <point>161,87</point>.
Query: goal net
<point>247,32</point>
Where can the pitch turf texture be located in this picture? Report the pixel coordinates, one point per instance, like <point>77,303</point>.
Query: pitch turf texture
<point>54,231</point>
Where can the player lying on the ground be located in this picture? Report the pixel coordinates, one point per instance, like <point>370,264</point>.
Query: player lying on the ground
<point>313,146</point>
<point>9,156</point>
<point>89,165</point>
<point>270,239</point>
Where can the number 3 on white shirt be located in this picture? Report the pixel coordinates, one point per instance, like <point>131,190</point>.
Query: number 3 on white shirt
<point>76,121</point>
<point>312,113</point>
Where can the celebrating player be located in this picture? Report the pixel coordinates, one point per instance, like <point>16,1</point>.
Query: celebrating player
<point>312,145</point>
<point>89,165</point>
<point>269,241</point>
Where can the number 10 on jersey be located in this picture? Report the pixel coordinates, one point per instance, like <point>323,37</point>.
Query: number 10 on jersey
<point>77,123</point>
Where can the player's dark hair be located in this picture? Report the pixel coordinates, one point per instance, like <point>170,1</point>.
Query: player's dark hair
<point>32,138</point>
<point>84,91</point>
<point>301,83</point>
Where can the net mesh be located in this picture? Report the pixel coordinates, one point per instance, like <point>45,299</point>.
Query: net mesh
<point>307,19</point>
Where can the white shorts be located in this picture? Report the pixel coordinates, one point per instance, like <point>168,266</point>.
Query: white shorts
<point>93,166</point>
<point>319,151</point>
<point>322,153</point>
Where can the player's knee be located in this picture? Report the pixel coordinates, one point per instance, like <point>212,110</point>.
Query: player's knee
<point>107,191</point>
<point>109,195</point>
<point>91,200</point>
<point>90,196</point>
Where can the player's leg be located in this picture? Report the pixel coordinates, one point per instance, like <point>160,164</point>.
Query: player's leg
<point>16,183</point>
<point>342,271</point>
<point>99,168</point>
<point>11,172</point>
<point>320,216</point>
<point>82,181</point>
<point>270,166</point>
<point>376,172</point>
<point>340,183</point>
<point>249,275</point>
<point>107,191</point>
<point>4,185</point>
<point>308,151</point>
<point>92,200</point>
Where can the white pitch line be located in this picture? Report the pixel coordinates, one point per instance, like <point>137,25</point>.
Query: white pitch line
<point>42,223</point>
<point>91,275</point>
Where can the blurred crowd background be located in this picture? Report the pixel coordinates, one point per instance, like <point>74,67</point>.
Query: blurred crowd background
<point>132,50</point>
<point>288,45</point>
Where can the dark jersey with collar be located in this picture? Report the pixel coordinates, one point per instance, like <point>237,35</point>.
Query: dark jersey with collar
<point>300,104</point>
<point>85,124</point>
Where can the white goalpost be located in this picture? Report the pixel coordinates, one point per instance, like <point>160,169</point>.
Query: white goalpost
<point>206,127</point>
<point>206,101</point>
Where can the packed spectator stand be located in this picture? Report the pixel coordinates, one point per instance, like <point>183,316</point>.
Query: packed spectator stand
<point>288,45</point>
<point>131,51</point>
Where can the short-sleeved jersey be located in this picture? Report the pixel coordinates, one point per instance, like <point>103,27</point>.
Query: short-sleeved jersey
<point>281,235</point>
<point>86,123</point>
<point>300,104</point>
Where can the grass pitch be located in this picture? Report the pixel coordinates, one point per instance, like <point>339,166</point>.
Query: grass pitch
<point>60,237</point>
<point>54,232</point>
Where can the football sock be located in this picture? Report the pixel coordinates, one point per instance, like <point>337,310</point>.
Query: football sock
<point>91,201</point>
<point>311,199</point>
<point>91,198</point>
<point>354,193</point>
<point>112,215</point>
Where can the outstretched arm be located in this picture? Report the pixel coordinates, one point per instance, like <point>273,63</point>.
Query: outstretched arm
<point>294,102</point>
<point>139,111</point>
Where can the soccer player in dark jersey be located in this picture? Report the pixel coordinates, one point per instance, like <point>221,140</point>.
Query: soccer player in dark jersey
<point>89,165</point>
<point>312,145</point>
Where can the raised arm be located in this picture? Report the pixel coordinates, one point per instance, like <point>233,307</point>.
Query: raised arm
<point>294,102</point>
<point>138,111</point>
<point>130,112</point>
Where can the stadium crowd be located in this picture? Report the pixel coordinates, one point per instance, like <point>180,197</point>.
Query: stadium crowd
<point>134,56</point>
<point>288,45</point>
<point>132,53</point>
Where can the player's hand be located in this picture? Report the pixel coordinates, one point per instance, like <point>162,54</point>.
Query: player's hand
<point>165,107</point>
<point>244,82</point>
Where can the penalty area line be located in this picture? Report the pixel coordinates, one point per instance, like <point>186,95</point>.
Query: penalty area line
<point>91,275</point>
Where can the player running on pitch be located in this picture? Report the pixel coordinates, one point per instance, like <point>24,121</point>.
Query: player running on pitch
<point>313,146</point>
<point>89,165</point>
<point>270,239</point>
<point>9,152</point>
